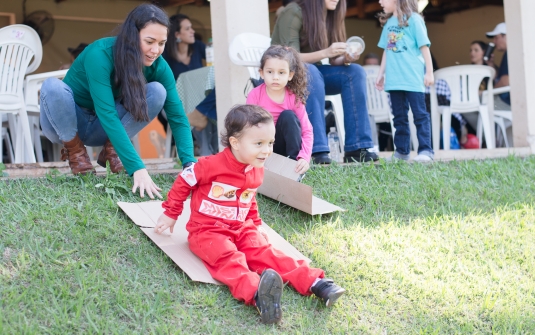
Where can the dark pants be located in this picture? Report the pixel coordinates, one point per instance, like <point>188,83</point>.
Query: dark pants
<point>288,135</point>
<point>400,108</point>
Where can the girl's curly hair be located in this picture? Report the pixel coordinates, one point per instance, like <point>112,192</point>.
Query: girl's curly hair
<point>404,10</point>
<point>298,84</point>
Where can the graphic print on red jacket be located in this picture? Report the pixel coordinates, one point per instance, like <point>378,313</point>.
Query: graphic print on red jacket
<point>223,189</point>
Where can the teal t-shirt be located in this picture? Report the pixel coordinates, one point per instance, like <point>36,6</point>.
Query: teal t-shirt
<point>405,65</point>
<point>91,78</point>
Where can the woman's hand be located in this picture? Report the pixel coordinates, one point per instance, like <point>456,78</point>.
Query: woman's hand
<point>302,166</point>
<point>163,223</point>
<point>380,83</point>
<point>351,58</point>
<point>145,183</point>
<point>429,79</point>
<point>336,49</point>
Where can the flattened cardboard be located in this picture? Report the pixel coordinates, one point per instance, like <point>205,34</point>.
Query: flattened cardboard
<point>175,245</point>
<point>281,183</point>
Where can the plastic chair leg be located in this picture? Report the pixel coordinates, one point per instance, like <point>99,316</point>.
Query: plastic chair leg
<point>435,125</point>
<point>487,130</point>
<point>446,128</point>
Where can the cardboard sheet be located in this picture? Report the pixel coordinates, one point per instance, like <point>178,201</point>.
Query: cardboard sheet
<point>145,215</point>
<point>281,184</point>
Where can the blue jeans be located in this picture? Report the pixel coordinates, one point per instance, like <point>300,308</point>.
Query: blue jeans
<point>62,118</point>
<point>350,81</point>
<point>400,108</point>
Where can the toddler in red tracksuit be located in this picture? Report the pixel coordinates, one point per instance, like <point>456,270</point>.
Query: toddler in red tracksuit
<point>224,227</point>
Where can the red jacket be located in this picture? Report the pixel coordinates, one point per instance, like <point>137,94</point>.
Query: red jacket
<point>223,190</point>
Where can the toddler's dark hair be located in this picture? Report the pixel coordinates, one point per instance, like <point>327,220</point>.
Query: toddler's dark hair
<point>240,117</point>
<point>298,84</point>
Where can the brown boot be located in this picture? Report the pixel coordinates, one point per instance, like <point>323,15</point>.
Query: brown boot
<point>108,154</point>
<point>74,151</point>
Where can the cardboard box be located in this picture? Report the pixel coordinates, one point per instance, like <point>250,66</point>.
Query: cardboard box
<point>145,215</point>
<point>281,184</point>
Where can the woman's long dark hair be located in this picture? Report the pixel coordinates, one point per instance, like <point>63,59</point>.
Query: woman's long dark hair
<point>322,27</point>
<point>170,45</point>
<point>129,59</point>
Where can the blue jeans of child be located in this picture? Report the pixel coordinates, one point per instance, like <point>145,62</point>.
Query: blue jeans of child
<point>350,81</point>
<point>400,108</point>
<point>62,118</point>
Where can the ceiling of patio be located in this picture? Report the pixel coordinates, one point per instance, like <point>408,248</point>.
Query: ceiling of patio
<point>362,9</point>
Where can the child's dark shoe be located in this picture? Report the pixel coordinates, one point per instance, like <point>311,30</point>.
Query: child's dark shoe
<point>327,290</point>
<point>268,297</point>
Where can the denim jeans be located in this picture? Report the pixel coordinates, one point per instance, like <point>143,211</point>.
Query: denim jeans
<point>350,81</point>
<point>62,118</point>
<point>400,108</point>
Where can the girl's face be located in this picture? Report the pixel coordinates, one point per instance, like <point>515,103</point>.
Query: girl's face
<point>331,4</point>
<point>254,145</point>
<point>389,6</point>
<point>152,41</point>
<point>276,74</point>
<point>186,33</point>
<point>476,54</point>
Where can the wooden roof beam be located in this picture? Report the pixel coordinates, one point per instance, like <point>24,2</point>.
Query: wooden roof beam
<point>367,8</point>
<point>274,5</point>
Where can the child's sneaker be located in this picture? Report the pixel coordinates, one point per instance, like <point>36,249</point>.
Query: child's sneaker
<point>268,297</point>
<point>424,156</point>
<point>327,290</point>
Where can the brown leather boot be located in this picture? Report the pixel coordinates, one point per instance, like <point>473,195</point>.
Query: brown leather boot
<point>108,154</point>
<point>74,151</point>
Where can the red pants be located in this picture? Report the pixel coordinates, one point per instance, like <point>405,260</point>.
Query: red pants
<point>237,255</point>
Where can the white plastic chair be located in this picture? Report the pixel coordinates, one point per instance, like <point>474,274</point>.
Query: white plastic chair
<point>379,104</point>
<point>502,118</point>
<point>464,81</point>
<point>246,49</point>
<point>19,44</point>
<point>32,87</point>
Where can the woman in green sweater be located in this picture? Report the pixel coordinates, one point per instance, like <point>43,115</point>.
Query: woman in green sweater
<point>114,88</point>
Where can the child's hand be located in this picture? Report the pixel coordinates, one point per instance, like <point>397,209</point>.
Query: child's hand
<point>302,166</point>
<point>262,231</point>
<point>429,79</point>
<point>163,223</point>
<point>380,83</point>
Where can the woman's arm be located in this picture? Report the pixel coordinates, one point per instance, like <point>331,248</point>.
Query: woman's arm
<point>175,114</point>
<point>332,52</point>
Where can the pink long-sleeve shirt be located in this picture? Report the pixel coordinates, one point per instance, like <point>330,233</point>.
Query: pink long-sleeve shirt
<point>258,96</point>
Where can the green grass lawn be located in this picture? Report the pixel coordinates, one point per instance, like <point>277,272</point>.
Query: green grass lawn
<point>445,248</point>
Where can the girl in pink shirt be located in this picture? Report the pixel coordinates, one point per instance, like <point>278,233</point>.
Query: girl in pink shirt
<point>283,94</point>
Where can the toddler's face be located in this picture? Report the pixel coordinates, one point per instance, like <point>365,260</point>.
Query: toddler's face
<point>254,145</point>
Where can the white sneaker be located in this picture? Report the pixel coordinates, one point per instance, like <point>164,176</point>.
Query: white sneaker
<point>422,158</point>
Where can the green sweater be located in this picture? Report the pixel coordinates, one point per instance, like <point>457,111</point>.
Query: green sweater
<point>91,78</point>
<point>289,28</point>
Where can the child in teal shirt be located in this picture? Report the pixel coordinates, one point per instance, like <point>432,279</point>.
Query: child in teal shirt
<point>408,72</point>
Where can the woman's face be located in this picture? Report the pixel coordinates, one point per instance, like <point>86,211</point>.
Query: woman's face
<point>331,4</point>
<point>152,41</point>
<point>186,33</point>
<point>476,54</point>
